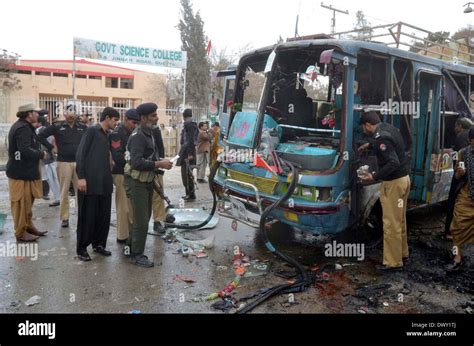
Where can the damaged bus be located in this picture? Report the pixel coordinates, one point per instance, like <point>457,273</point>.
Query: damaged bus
<point>301,101</point>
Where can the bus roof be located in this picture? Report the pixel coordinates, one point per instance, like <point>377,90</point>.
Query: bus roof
<point>352,47</point>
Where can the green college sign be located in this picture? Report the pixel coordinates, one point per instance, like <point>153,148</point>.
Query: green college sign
<point>129,54</point>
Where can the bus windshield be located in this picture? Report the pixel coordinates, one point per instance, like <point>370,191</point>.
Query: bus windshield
<point>305,97</point>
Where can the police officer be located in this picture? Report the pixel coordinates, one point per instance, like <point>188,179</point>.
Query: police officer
<point>23,172</point>
<point>158,205</point>
<point>68,134</point>
<point>393,172</point>
<point>142,162</point>
<point>187,154</point>
<point>118,143</point>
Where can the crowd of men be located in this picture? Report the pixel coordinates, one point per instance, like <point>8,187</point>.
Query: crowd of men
<point>93,158</point>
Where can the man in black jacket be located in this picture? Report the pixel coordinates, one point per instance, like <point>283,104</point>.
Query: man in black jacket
<point>95,186</point>
<point>24,178</point>
<point>67,135</point>
<point>118,146</point>
<point>393,172</point>
<point>187,153</point>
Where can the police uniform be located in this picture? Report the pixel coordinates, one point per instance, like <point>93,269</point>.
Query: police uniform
<point>118,144</point>
<point>159,210</point>
<point>393,170</point>
<point>24,178</point>
<point>67,140</point>
<point>139,174</point>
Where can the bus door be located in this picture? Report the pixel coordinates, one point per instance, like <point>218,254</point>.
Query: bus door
<point>425,134</point>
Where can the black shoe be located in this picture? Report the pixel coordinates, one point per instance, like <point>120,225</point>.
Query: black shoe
<point>142,261</point>
<point>190,198</point>
<point>46,198</point>
<point>122,241</point>
<point>454,267</point>
<point>100,249</point>
<point>202,181</point>
<point>54,204</point>
<point>65,223</point>
<point>84,256</point>
<point>385,269</point>
<point>158,228</point>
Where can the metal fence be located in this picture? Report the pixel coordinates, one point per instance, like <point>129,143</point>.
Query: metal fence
<point>171,119</point>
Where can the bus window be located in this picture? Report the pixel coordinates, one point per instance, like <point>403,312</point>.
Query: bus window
<point>252,86</point>
<point>229,94</point>
<point>371,74</point>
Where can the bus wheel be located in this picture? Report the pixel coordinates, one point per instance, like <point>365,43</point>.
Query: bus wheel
<point>372,229</point>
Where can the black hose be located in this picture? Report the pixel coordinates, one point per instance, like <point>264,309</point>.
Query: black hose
<point>214,203</point>
<point>303,280</point>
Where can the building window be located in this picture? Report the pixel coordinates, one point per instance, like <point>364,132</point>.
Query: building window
<point>95,77</point>
<point>23,72</point>
<point>81,76</point>
<point>59,74</point>
<point>126,83</point>
<point>111,82</point>
<point>41,73</point>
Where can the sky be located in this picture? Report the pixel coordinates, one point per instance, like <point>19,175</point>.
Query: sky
<point>44,29</point>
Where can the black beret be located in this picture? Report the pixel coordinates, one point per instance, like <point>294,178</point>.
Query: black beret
<point>132,114</point>
<point>43,112</point>
<point>147,108</point>
<point>369,117</point>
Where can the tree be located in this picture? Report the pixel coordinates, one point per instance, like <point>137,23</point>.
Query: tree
<point>220,61</point>
<point>438,37</point>
<point>194,42</point>
<point>363,25</point>
<point>8,81</point>
<point>464,34</point>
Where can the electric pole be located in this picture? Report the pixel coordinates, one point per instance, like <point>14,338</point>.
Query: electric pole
<point>333,20</point>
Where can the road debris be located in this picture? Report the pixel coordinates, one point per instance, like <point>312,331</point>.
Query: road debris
<point>33,300</point>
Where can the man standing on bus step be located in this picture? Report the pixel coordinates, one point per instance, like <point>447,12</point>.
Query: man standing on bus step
<point>67,135</point>
<point>118,146</point>
<point>393,171</point>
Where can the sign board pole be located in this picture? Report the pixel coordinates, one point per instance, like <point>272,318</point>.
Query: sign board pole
<point>184,88</point>
<point>74,76</point>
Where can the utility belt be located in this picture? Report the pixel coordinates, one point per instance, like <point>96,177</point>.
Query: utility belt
<point>141,176</point>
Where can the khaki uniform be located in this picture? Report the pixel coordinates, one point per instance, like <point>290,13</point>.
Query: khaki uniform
<point>158,205</point>
<point>394,196</point>
<point>22,196</point>
<point>123,208</point>
<point>66,175</point>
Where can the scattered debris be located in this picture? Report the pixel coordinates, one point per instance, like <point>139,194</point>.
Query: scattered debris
<point>184,279</point>
<point>224,305</point>
<point>33,300</point>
